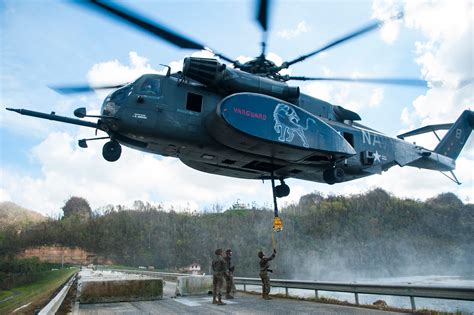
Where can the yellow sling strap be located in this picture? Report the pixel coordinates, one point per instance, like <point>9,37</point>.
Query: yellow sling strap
<point>277,227</point>
<point>277,224</point>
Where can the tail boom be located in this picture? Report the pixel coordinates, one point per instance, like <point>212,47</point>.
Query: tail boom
<point>434,161</point>
<point>443,157</point>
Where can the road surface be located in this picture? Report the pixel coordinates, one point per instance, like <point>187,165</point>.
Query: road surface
<point>242,304</point>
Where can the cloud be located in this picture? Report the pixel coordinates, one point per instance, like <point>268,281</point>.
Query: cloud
<point>4,195</point>
<point>404,182</point>
<point>407,118</point>
<point>300,28</point>
<point>356,97</point>
<point>113,72</point>
<point>376,97</point>
<point>385,10</point>
<point>67,170</point>
<point>445,59</point>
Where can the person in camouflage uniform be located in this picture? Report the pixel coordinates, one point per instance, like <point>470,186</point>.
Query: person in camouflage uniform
<point>218,270</point>
<point>264,270</point>
<point>229,274</point>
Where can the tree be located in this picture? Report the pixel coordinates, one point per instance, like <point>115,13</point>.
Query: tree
<point>77,208</point>
<point>445,199</point>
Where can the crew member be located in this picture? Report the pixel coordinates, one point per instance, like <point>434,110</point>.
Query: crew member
<point>264,270</point>
<point>218,270</point>
<point>229,275</point>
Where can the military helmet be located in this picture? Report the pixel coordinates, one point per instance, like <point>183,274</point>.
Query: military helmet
<point>218,251</point>
<point>228,251</point>
<point>260,254</point>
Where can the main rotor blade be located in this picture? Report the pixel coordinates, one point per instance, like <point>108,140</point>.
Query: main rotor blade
<point>74,89</point>
<point>262,14</point>
<point>262,18</point>
<point>359,32</point>
<point>132,18</point>
<point>391,81</point>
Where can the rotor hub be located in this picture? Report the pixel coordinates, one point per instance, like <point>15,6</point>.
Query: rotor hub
<point>262,67</point>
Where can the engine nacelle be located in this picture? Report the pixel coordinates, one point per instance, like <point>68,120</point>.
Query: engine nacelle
<point>229,81</point>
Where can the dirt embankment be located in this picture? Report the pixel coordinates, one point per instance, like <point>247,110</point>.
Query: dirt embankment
<point>67,255</point>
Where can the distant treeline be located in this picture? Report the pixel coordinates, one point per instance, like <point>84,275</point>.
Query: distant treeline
<point>324,238</point>
<point>15,272</point>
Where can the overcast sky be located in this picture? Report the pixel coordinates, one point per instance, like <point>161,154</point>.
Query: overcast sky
<point>58,42</point>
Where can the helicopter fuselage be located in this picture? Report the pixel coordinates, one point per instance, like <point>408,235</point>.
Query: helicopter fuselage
<point>174,116</point>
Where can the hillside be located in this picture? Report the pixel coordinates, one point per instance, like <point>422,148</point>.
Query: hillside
<point>326,238</point>
<point>12,214</point>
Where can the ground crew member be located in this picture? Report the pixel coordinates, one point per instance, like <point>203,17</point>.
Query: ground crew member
<point>218,270</point>
<point>264,265</point>
<point>229,275</point>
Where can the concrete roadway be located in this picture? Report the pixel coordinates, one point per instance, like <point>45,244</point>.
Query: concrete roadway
<point>242,304</point>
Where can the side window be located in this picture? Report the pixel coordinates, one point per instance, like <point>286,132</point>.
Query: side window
<point>194,102</point>
<point>150,87</point>
<point>349,138</point>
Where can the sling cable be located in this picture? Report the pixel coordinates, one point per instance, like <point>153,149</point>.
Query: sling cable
<point>277,222</point>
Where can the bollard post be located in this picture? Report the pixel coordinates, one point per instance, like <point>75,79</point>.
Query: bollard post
<point>412,301</point>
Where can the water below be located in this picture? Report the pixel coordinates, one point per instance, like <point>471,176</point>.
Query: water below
<point>465,307</point>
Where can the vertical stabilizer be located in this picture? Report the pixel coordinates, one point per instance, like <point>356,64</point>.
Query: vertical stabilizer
<point>457,136</point>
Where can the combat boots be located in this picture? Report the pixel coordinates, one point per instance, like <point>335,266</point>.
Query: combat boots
<point>229,297</point>
<point>219,300</point>
<point>214,300</point>
<point>266,297</point>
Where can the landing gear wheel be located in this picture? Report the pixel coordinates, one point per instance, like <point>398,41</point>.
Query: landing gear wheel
<point>333,175</point>
<point>282,190</point>
<point>112,151</point>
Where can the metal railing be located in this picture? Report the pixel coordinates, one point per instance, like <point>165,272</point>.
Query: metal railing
<point>411,291</point>
<point>55,303</point>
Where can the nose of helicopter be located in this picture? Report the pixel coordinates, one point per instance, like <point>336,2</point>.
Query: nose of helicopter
<point>109,108</point>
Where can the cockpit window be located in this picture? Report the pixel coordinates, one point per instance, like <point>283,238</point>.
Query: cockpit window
<point>121,93</point>
<point>150,86</point>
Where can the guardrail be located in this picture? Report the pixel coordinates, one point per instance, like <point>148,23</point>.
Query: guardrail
<point>53,305</point>
<point>411,291</point>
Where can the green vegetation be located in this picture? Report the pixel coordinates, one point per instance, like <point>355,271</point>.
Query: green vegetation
<point>5,294</point>
<point>24,266</point>
<point>37,293</point>
<point>12,215</point>
<point>324,238</point>
<point>20,272</point>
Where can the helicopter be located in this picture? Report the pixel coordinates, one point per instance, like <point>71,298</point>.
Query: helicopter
<point>243,120</point>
